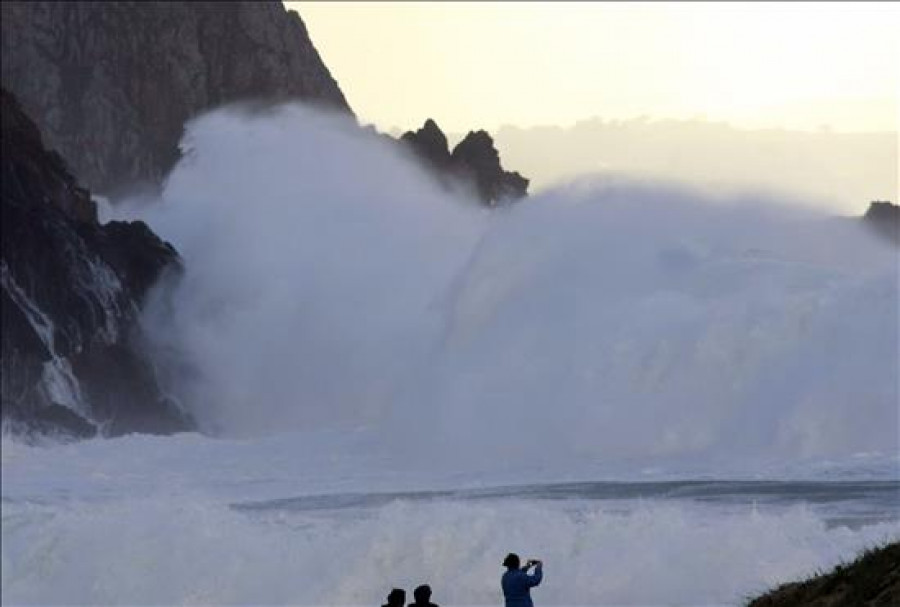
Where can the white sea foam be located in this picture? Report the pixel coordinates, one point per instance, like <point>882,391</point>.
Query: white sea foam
<point>189,520</point>
<point>172,551</point>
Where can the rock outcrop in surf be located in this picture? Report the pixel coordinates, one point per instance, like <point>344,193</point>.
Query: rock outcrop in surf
<point>72,289</point>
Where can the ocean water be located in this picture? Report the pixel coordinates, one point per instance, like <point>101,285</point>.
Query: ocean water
<point>670,398</point>
<point>190,520</point>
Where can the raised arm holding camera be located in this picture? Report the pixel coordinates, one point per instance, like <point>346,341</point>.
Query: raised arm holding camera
<point>517,583</point>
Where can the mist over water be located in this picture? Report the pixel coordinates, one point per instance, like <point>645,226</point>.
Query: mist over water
<point>331,284</point>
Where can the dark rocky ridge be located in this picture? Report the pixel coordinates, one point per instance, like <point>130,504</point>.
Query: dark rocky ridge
<point>71,291</point>
<point>474,161</point>
<point>883,218</point>
<point>111,84</point>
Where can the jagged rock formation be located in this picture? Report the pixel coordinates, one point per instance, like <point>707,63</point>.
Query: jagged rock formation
<point>430,144</point>
<point>873,580</point>
<point>883,218</point>
<point>111,84</point>
<point>474,160</point>
<point>478,159</point>
<point>71,290</point>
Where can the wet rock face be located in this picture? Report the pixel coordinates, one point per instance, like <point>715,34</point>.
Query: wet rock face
<point>59,420</point>
<point>71,292</point>
<point>111,84</point>
<point>474,161</point>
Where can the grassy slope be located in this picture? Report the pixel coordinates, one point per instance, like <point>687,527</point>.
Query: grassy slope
<point>873,580</point>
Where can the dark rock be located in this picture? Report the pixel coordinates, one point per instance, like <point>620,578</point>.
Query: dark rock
<point>111,84</point>
<point>883,218</point>
<point>137,255</point>
<point>71,293</point>
<point>478,159</point>
<point>474,162</point>
<point>35,172</point>
<point>430,144</point>
<point>122,390</point>
<point>58,420</point>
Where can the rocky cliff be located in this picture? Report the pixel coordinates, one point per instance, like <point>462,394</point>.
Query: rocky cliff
<point>474,161</point>
<point>111,84</point>
<point>70,352</point>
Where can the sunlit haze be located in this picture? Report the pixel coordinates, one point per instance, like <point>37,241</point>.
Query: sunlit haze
<point>789,65</point>
<point>796,98</point>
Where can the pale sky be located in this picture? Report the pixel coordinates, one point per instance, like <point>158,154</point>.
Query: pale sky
<point>483,65</point>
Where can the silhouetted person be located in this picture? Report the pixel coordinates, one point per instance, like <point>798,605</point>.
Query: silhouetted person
<point>516,582</point>
<point>422,594</point>
<point>397,598</point>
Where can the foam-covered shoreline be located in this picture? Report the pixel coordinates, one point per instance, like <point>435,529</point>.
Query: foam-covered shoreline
<point>188,519</point>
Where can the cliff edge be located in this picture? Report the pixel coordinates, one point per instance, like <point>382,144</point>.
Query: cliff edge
<point>111,84</point>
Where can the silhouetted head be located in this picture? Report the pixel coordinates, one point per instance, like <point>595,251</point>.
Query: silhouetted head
<point>397,598</point>
<point>511,561</point>
<point>422,594</point>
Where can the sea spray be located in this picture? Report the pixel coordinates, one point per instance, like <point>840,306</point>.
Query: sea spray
<point>332,284</point>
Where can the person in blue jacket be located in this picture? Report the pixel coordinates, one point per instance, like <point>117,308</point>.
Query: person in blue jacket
<point>516,582</point>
